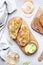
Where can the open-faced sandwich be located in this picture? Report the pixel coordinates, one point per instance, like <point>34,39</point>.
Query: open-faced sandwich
<point>23,36</point>
<point>14,26</point>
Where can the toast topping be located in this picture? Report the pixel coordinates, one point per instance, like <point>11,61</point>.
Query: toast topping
<point>14,25</point>
<point>23,35</point>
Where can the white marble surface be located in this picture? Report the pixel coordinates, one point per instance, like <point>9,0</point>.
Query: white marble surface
<point>33,59</point>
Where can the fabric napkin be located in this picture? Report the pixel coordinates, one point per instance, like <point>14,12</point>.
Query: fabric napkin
<point>3,43</point>
<point>1,3</point>
<point>10,4</point>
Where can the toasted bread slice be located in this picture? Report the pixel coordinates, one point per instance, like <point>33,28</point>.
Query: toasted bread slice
<point>23,35</point>
<point>36,25</point>
<point>14,26</point>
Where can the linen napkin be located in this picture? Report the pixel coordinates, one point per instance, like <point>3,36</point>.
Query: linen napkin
<point>1,3</point>
<point>11,5</point>
<point>4,45</point>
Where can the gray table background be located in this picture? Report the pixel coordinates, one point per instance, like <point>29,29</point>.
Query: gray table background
<point>34,58</point>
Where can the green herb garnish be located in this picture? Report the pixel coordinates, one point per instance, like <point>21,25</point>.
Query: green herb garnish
<point>12,30</point>
<point>10,42</point>
<point>26,63</point>
<point>23,36</point>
